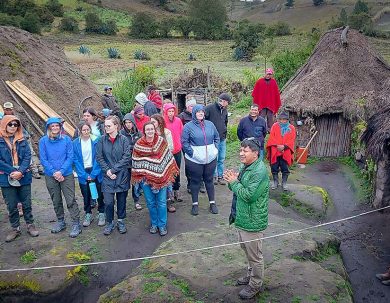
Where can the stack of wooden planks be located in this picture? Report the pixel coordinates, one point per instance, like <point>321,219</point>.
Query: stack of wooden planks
<point>37,104</point>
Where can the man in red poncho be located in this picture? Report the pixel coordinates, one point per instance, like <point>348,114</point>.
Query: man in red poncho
<point>280,149</point>
<point>266,95</point>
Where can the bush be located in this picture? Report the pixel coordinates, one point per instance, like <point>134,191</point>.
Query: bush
<point>165,27</point>
<point>144,26</point>
<point>45,16</point>
<point>31,23</point>
<point>247,37</point>
<point>318,2</point>
<point>69,24</point>
<point>93,24</point>
<point>131,84</point>
<point>239,54</point>
<point>232,133</point>
<point>245,102</point>
<point>85,50</point>
<point>251,76</point>
<point>278,29</point>
<point>55,7</point>
<point>191,57</point>
<point>184,25</point>
<point>141,55</point>
<point>113,53</point>
<point>109,28</point>
<point>10,20</point>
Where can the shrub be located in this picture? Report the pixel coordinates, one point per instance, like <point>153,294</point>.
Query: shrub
<point>144,26</point>
<point>232,133</point>
<point>10,20</point>
<point>85,50</point>
<point>318,2</point>
<point>69,24</point>
<point>239,54</point>
<point>247,37</point>
<point>251,76</point>
<point>93,24</point>
<point>31,23</point>
<point>278,29</point>
<point>55,7</point>
<point>45,16</point>
<point>141,55</point>
<point>165,27</point>
<point>245,102</point>
<point>109,28</point>
<point>113,53</point>
<point>191,57</point>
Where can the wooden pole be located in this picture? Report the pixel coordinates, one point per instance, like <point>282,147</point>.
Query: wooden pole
<point>307,146</point>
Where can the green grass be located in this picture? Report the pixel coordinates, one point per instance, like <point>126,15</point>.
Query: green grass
<point>151,287</point>
<point>183,286</point>
<point>29,257</point>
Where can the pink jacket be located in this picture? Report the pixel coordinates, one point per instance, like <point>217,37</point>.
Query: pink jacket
<point>175,126</point>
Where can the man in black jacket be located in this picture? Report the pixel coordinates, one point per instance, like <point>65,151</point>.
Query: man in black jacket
<point>109,101</point>
<point>217,113</point>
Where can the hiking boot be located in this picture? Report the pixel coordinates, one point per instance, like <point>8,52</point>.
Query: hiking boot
<point>243,280</point>
<point>215,181</point>
<point>32,230</point>
<point>194,210</point>
<point>20,209</point>
<point>170,207</point>
<point>213,208</point>
<point>13,234</point>
<point>87,220</point>
<point>221,181</point>
<point>248,292</point>
<point>284,182</point>
<point>109,228</point>
<point>275,182</point>
<point>101,219</point>
<point>35,174</point>
<point>76,230</point>
<point>59,226</point>
<point>385,276</point>
<point>153,229</point>
<point>177,196</point>
<point>121,226</point>
<point>163,231</point>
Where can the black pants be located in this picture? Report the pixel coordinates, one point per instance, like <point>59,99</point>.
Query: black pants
<point>282,164</point>
<point>86,193</point>
<point>199,172</point>
<point>13,195</point>
<point>109,200</point>
<point>176,184</point>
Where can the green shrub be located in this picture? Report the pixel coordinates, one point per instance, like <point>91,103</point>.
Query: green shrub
<point>141,55</point>
<point>278,29</point>
<point>143,26</point>
<point>31,23</point>
<point>69,24</point>
<point>131,84</point>
<point>109,28</point>
<point>44,14</point>
<point>10,20</point>
<point>85,50</point>
<point>93,23</point>
<point>55,7</point>
<point>245,102</point>
<point>251,76</point>
<point>247,37</point>
<point>232,133</point>
<point>113,53</point>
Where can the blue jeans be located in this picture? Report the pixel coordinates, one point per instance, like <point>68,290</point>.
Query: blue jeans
<point>261,155</point>
<point>157,205</point>
<point>220,159</point>
<point>109,200</point>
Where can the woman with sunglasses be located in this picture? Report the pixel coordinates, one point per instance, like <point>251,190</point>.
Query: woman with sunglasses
<point>15,176</point>
<point>113,156</point>
<point>153,163</point>
<point>88,172</point>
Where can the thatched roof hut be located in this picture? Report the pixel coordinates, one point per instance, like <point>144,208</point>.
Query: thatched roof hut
<point>339,84</point>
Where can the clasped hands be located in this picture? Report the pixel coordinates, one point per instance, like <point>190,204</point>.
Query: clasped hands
<point>111,175</point>
<point>16,175</point>
<point>230,175</point>
<point>58,176</point>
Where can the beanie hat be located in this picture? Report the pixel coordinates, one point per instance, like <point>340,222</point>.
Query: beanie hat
<point>138,109</point>
<point>226,97</point>
<point>283,115</point>
<point>141,98</point>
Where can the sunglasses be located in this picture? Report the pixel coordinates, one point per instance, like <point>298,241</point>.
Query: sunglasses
<point>13,124</point>
<point>254,140</point>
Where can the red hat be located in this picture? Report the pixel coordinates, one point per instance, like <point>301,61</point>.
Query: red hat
<point>269,71</point>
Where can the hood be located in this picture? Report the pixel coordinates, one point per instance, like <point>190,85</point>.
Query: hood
<point>130,117</point>
<point>195,109</point>
<point>3,127</point>
<point>51,121</point>
<point>141,98</point>
<point>168,106</point>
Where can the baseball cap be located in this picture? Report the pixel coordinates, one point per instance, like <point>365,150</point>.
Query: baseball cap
<point>8,105</point>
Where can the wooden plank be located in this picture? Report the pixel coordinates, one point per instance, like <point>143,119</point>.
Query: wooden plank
<point>36,109</point>
<point>42,105</point>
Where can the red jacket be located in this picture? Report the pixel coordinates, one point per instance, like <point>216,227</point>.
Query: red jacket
<point>175,126</point>
<point>141,122</point>
<point>266,95</point>
<point>275,138</point>
<point>156,99</point>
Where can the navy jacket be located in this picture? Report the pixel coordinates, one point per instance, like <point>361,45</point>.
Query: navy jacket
<point>219,116</point>
<point>6,168</point>
<point>96,173</point>
<point>150,109</point>
<point>248,128</point>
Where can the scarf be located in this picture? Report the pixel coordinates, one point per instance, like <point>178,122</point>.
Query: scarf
<point>18,136</point>
<point>153,163</point>
<point>284,128</point>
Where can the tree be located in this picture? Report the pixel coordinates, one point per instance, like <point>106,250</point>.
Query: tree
<point>184,25</point>
<point>143,27</point>
<point>165,27</point>
<point>289,3</point>
<point>318,2</point>
<point>247,37</point>
<point>209,18</point>
<point>69,24</point>
<point>93,23</point>
<point>55,7</point>
<point>360,7</point>
<point>31,23</point>
<point>19,7</point>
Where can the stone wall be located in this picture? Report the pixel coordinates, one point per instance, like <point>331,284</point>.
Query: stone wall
<point>382,183</point>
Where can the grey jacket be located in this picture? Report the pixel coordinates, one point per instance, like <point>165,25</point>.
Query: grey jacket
<point>115,156</point>
<point>108,101</point>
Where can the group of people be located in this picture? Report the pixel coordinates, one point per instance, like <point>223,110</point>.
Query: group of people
<point>142,150</point>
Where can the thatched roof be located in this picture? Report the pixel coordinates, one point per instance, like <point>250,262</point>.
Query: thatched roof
<point>377,134</point>
<point>352,79</point>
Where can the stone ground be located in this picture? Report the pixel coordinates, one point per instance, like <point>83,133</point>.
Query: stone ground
<point>299,268</point>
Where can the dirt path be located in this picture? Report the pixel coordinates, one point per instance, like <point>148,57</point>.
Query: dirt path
<point>365,245</point>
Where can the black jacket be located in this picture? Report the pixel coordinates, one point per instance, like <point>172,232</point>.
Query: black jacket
<point>248,128</point>
<point>109,101</point>
<point>185,117</point>
<point>219,116</point>
<point>115,156</point>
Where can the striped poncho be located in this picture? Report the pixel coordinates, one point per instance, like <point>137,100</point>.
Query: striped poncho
<point>153,163</point>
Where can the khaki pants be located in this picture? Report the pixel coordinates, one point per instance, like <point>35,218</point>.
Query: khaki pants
<point>254,254</point>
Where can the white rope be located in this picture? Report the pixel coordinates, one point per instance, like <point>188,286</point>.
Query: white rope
<point>192,250</point>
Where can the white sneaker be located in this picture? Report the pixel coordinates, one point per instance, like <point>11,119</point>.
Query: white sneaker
<point>101,219</point>
<point>87,220</point>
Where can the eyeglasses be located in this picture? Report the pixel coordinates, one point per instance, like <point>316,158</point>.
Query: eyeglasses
<point>13,124</point>
<point>107,126</point>
<point>86,130</point>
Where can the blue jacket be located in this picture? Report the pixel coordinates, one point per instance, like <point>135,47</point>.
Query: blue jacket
<point>197,137</point>
<point>78,162</point>
<point>56,154</point>
<point>248,128</point>
<point>6,168</point>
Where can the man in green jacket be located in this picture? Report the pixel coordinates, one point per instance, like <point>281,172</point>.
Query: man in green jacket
<point>251,188</point>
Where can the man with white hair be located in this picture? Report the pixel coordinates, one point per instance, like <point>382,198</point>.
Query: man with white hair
<point>149,107</point>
